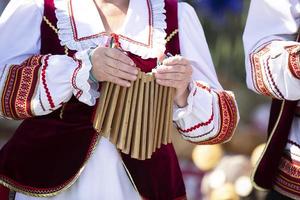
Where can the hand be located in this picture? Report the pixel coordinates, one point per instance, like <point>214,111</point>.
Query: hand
<point>176,72</point>
<point>112,65</point>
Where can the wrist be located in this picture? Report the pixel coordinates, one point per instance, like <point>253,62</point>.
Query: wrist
<point>90,53</point>
<point>181,99</point>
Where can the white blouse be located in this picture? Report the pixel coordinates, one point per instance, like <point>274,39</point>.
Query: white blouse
<point>272,55</point>
<point>210,117</point>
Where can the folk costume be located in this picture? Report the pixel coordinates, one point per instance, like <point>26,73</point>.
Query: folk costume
<point>272,64</point>
<point>45,65</point>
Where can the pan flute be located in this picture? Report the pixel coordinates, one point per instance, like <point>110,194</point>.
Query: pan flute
<point>137,119</point>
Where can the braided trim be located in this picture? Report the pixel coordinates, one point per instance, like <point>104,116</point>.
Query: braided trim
<point>170,37</point>
<point>56,31</point>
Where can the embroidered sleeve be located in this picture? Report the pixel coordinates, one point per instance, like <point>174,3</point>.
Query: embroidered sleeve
<point>18,85</point>
<point>33,84</point>
<point>272,55</point>
<point>41,84</point>
<point>210,117</point>
<point>275,71</point>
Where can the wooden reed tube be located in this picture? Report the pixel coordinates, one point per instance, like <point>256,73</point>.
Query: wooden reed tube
<point>111,110</point>
<point>150,134</point>
<point>157,117</point>
<point>145,116</point>
<point>126,150</point>
<point>171,102</point>
<point>105,107</point>
<point>167,117</point>
<point>125,118</point>
<point>116,123</point>
<point>156,94</point>
<point>135,146</point>
<point>163,109</point>
<point>99,115</point>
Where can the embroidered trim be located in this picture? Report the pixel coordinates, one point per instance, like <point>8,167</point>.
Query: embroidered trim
<point>268,72</point>
<point>257,74</point>
<point>84,90</point>
<point>68,33</point>
<point>198,136</point>
<point>199,125</point>
<point>169,38</point>
<point>229,119</point>
<point>19,88</point>
<point>290,167</point>
<point>75,73</point>
<point>202,86</point>
<point>288,177</point>
<point>44,82</point>
<point>56,31</point>
<point>47,192</point>
<point>77,39</point>
<point>294,60</point>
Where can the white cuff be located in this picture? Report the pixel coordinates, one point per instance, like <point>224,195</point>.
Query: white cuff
<point>180,113</point>
<point>84,89</point>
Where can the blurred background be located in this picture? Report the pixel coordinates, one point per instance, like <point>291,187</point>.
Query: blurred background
<point>218,172</point>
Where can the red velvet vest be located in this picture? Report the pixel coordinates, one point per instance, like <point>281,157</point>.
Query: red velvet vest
<point>280,122</point>
<point>281,117</point>
<point>46,154</point>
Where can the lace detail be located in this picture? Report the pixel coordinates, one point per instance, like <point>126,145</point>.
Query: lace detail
<point>85,90</point>
<point>96,36</point>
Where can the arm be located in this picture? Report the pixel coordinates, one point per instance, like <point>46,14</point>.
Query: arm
<point>211,115</point>
<point>272,55</point>
<point>32,84</point>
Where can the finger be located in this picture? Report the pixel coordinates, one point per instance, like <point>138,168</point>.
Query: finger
<point>118,65</point>
<point>119,81</point>
<point>169,83</point>
<point>120,74</point>
<point>172,76</point>
<point>120,56</point>
<point>172,69</point>
<point>176,60</point>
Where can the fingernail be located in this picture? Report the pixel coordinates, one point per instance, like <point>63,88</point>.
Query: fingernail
<point>128,84</point>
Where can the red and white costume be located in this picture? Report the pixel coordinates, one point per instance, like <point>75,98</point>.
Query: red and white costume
<point>273,69</point>
<point>34,85</point>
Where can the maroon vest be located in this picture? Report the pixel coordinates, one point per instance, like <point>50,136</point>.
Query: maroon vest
<point>281,117</point>
<point>46,153</point>
<point>280,122</point>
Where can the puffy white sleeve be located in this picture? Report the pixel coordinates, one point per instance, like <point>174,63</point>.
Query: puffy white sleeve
<point>272,55</point>
<point>211,115</point>
<point>32,84</point>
